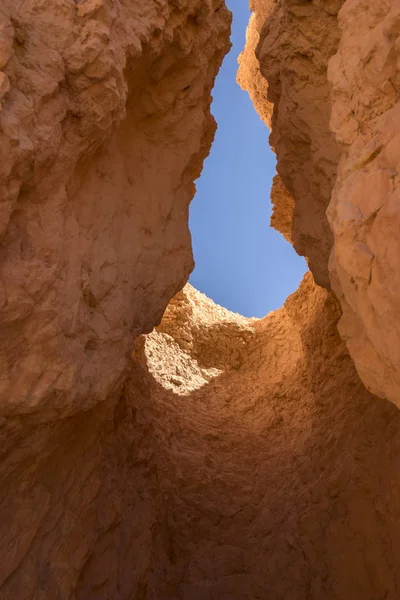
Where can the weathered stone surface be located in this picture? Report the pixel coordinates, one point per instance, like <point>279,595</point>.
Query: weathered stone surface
<point>277,470</point>
<point>354,117</point>
<point>283,209</point>
<point>243,458</point>
<point>365,208</point>
<point>296,42</point>
<point>249,76</point>
<point>227,458</point>
<point>104,126</point>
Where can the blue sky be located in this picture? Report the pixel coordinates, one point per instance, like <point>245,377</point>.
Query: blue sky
<point>241,263</point>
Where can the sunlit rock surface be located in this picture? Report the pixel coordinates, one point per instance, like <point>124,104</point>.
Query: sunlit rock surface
<point>297,38</point>
<point>332,73</point>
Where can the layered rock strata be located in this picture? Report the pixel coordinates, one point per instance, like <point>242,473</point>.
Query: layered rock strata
<point>105,123</point>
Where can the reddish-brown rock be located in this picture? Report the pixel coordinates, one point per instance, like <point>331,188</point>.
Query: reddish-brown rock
<point>354,117</point>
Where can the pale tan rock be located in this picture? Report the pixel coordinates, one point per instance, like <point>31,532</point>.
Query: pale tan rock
<point>278,472</point>
<point>365,208</point>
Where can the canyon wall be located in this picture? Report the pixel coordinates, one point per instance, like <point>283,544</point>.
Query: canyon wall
<point>104,125</point>
<point>331,81</point>
<point>295,41</point>
<point>224,457</point>
<point>365,208</point>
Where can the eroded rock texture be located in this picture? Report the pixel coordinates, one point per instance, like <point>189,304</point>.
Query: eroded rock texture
<point>276,470</point>
<point>365,208</point>
<point>297,38</point>
<point>225,458</point>
<point>104,125</point>
<point>249,76</point>
<point>349,117</point>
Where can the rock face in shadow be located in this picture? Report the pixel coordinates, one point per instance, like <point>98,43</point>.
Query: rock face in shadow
<point>243,458</point>
<point>276,469</point>
<point>105,123</point>
<point>297,38</point>
<point>213,456</point>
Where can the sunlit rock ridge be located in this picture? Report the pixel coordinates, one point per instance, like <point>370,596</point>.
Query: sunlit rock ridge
<point>197,455</point>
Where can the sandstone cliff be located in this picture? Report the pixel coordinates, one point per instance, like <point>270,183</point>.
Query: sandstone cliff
<point>331,72</point>
<point>365,208</point>
<point>296,40</point>
<point>224,457</point>
<point>105,123</point>
<point>276,471</point>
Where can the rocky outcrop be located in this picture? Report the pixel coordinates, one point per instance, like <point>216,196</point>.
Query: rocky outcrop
<point>224,457</point>
<point>335,133</point>
<point>105,123</point>
<point>365,208</point>
<point>243,457</point>
<point>296,41</point>
<point>276,470</point>
<point>282,209</point>
<point>249,76</point>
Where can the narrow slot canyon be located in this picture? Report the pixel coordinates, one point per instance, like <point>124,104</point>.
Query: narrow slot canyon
<point>154,445</point>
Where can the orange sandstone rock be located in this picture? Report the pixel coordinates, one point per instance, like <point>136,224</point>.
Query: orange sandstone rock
<point>296,41</point>
<point>283,208</point>
<point>249,76</point>
<point>365,208</point>
<point>276,470</point>
<point>105,123</point>
<point>352,118</point>
<point>226,458</point>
